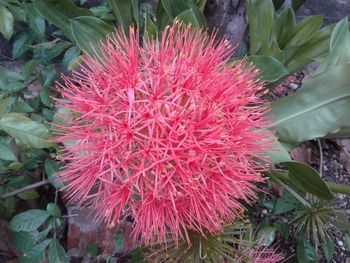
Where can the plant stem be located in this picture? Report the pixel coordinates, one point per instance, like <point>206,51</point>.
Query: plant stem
<point>334,187</point>
<point>26,188</point>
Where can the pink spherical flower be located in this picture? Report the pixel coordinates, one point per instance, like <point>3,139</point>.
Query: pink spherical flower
<point>166,131</point>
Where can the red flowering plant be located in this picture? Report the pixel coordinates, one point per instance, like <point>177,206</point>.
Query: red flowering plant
<point>165,131</point>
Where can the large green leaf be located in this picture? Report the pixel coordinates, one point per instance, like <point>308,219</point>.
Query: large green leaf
<point>29,220</point>
<point>193,16</point>
<point>6,22</point>
<point>308,180</point>
<point>339,50</point>
<point>305,30</point>
<point>297,57</point>
<point>30,132</point>
<point>122,11</point>
<point>59,12</point>
<point>6,153</point>
<point>271,69</point>
<point>56,252</point>
<point>261,15</point>
<point>36,254</point>
<point>88,31</point>
<point>319,109</point>
<point>279,153</point>
<point>185,10</point>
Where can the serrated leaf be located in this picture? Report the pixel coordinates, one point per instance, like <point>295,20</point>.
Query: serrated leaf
<point>308,180</point>
<point>30,132</point>
<point>56,252</point>
<point>6,153</point>
<point>319,109</point>
<point>29,220</point>
<point>59,12</point>
<point>6,22</point>
<point>88,31</point>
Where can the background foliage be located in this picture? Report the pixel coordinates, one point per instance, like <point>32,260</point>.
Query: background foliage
<point>51,35</point>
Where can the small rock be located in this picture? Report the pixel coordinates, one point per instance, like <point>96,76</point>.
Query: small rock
<point>264,212</point>
<point>294,86</point>
<point>340,243</point>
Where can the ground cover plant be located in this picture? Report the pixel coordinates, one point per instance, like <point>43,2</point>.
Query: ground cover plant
<point>141,113</point>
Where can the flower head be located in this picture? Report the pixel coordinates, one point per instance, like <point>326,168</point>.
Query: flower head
<point>166,131</point>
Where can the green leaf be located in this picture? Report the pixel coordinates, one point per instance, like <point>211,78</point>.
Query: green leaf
<point>21,44</point>
<point>15,166</point>
<point>6,153</point>
<point>88,31</point>
<point>306,252</point>
<point>150,27</point>
<point>24,241</point>
<point>45,97</point>
<point>29,195</point>
<point>175,7</point>
<point>163,18</point>
<point>6,22</point>
<point>59,12</point>
<point>296,58</point>
<point>53,209</point>
<point>51,167</point>
<point>36,21</point>
<point>93,249</point>
<point>122,11</point>
<point>328,250</point>
<point>279,152</point>
<point>308,180</point>
<point>192,16</point>
<point>266,236</point>
<point>28,221</point>
<point>36,255</point>
<point>28,69</point>
<point>261,15</point>
<point>119,241</point>
<point>339,50</point>
<point>71,58</point>
<point>30,132</point>
<point>201,4</point>
<point>319,109</point>
<point>283,204</point>
<point>48,75</point>
<point>56,252</point>
<point>305,30</point>
<point>271,69</point>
